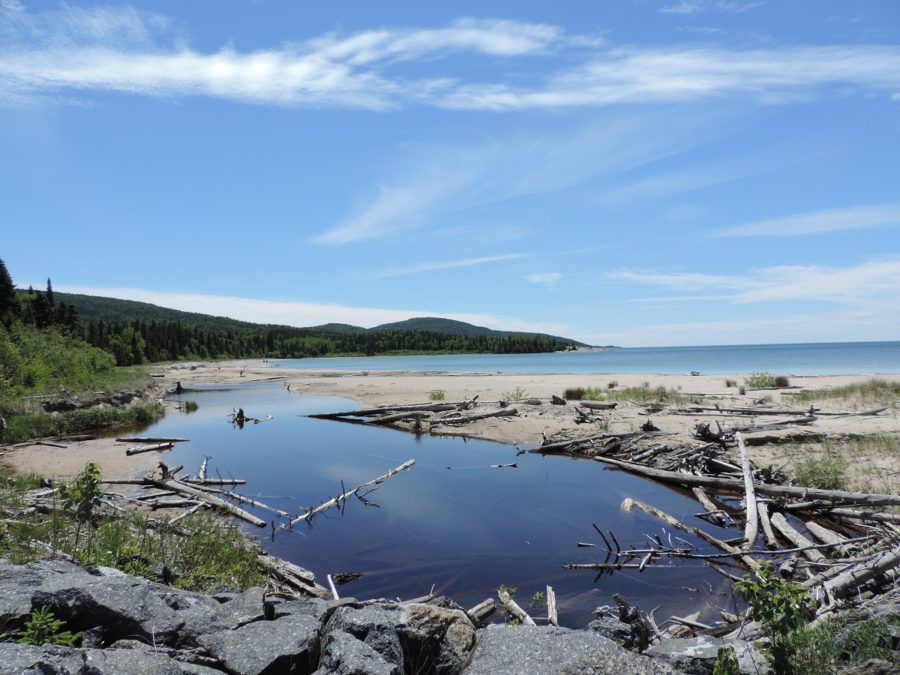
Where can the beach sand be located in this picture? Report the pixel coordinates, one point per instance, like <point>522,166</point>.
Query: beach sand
<point>374,389</point>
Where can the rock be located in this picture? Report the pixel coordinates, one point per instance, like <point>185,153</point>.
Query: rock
<point>611,628</point>
<point>698,654</point>
<point>53,659</point>
<point>435,639</point>
<point>375,625</point>
<point>872,667</point>
<point>544,649</point>
<point>343,654</point>
<point>285,645</point>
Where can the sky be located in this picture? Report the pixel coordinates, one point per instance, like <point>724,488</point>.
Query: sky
<point>630,172</point>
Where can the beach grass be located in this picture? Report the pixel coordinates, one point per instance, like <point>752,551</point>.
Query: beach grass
<point>40,424</point>
<point>874,391</point>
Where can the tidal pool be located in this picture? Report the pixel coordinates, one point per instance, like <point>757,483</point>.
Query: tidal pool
<point>451,521</point>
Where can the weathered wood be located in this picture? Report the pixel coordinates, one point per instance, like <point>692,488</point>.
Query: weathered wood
<point>201,474</point>
<point>388,410</point>
<point>389,419</point>
<point>715,513</point>
<point>551,606</point>
<point>766,523</point>
<point>630,503</point>
<point>598,405</point>
<point>336,500</point>
<point>149,448</point>
<point>216,481</point>
<point>827,536</point>
<point>292,575</point>
<point>751,526</point>
<point>691,623</point>
<point>587,440</point>
<point>333,588</point>
<point>182,488</point>
<point>780,523</point>
<point>465,419</point>
<point>482,610</point>
<point>150,439</point>
<point>729,484</point>
<point>514,608</point>
<point>846,583</point>
<point>864,515</point>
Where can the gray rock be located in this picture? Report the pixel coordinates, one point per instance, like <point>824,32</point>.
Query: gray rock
<point>375,625</point>
<point>544,649</point>
<point>288,644</point>
<point>56,660</point>
<point>698,654</point>
<point>612,628</point>
<point>343,654</point>
<point>435,639</point>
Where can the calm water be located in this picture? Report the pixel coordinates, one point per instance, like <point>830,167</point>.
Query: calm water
<point>837,358</point>
<point>450,521</point>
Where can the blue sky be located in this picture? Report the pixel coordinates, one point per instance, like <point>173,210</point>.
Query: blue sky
<point>636,172</point>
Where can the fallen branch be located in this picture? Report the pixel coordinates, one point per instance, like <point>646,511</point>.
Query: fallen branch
<point>148,448</point>
<point>465,419</point>
<point>336,500</point>
<point>212,500</point>
<point>781,524</point>
<point>551,607</point>
<point>514,608</point>
<point>751,527</point>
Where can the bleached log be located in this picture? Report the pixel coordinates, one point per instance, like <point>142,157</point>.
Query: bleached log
<point>551,606</point>
<point>388,410</point>
<point>482,610</point>
<point>766,523</point>
<point>292,575</point>
<point>336,500</point>
<point>148,448</point>
<point>827,536</point>
<point>389,419</point>
<point>781,524</point>
<point>846,583</point>
<point>765,488</point>
<point>464,419</point>
<point>201,474</point>
<point>715,513</point>
<point>216,481</point>
<point>190,490</point>
<point>864,515</point>
<point>630,503</point>
<point>514,608</point>
<point>253,502</point>
<point>751,526</point>
<point>598,405</point>
<point>333,588</point>
<point>192,510</point>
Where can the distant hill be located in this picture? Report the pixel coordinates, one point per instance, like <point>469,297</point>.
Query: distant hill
<point>434,324</point>
<point>138,332</point>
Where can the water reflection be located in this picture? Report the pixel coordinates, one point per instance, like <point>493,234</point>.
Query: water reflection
<point>452,520</point>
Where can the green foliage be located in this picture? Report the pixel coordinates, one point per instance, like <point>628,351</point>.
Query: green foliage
<point>827,471</point>
<point>43,627</point>
<point>766,381</point>
<point>647,394</point>
<point>9,305</point>
<point>726,662</point>
<point>781,608</point>
<point>38,425</point>
<point>583,394</point>
<point>516,394</point>
<point>191,406</point>
<point>573,393</point>
<point>82,495</point>
<point>505,611</point>
<point>834,644</point>
<point>874,391</point>
<point>437,395</point>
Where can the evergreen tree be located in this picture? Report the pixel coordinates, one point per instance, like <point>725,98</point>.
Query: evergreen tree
<point>49,292</point>
<point>9,304</point>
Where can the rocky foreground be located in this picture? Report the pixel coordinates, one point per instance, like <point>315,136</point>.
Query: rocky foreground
<point>133,625</point>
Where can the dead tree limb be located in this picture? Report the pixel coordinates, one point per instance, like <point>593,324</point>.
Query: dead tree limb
<point>781,524</point>
<point>514,608</point>
<point>148,448</point>
<point>465,419</point>
<point>212,500</point>
<point>551,607</point>
<point>751,527</point>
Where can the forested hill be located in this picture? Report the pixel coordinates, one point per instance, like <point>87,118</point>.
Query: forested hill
<point>137,332</point>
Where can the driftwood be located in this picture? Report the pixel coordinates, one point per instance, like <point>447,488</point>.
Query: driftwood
<point>598,405</point>
<point>514,608</point>
<point>551,607</point>
<point>464,419</point>
<point>247,500</point>
<point>751,528</point>
<point>201,474</point>
<point>864,515</point>
<point>215,481</point>
<point>827,536</point>
<point>292,575</point>
<point>334,593</point>
<point>846,583</point>
<point>336,500</point>
<point>482,610</point>
<point>150,439</point>
<point>713,511</point>
<point>149,448</point>
<point>197,506</point>
<point>766,523</point>
<point>389,419</point>
<point>630,503</point>
<point>388,410</point>
<point>780,523</point>
<point>778,490</point>
<point>212,500</point>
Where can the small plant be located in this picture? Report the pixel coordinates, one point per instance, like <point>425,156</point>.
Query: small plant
<point>781,608</point>
<point>82,496</point>
<point>766,381</point>
<point>826,471</point>
<point>730,384</point>
<point>726,662</point>
<point>574,393</point>
<point>612,384</point>
<point>437,395</point>
<point>43,627</point>
<point>517,394</point>
<point>191,406</point>
<point>505,610</point>
<point>782,382</point>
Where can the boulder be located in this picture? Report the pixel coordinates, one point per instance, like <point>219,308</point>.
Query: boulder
<point>56,660</point>
<point>285,645</point>
<point>698,654</point>
<point>550,650</point>
<point>436,639</point>
<point>343,654</point>
<point>375,625</point>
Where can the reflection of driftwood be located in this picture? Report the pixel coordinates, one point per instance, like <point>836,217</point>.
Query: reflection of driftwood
<point>201,474</point>
<point>629,504</point>
<point>465,419</point>
<point>337,500</point>
<point>514,608</point>
<point>779,490</point>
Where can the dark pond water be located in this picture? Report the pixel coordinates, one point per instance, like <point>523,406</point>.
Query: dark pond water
<point>450,521</point>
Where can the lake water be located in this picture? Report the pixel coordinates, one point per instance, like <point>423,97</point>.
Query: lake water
<point>451,520</point>
<point>837,358</point>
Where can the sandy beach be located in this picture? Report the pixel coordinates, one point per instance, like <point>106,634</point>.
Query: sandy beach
<point>532,424</point>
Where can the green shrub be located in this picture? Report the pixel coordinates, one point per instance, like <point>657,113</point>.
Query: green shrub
<point>871,392</point>
<point>437,395</point>
<point>573,393</point>
<point>38,425</point>
<point>43,628</point>
<point>612,384</point>
<point>826,471</point>
<point>517,394</point>
<point>760,381</point>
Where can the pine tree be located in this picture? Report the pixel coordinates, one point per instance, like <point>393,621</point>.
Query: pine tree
<point>49,292</point>
<point>9,304</point>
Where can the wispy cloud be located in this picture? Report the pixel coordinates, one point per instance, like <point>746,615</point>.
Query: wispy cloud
<point>304,314</point>
<point>817,222</point>
<point>868,281</point>
<point>702,6</point>
<point>445,265</point>
<point>545,278</point>
<point>439,181</point>
<point>123,50</point>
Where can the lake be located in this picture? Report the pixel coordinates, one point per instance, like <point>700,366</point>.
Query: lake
<point>451,521</point>
<point>838,358</point>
